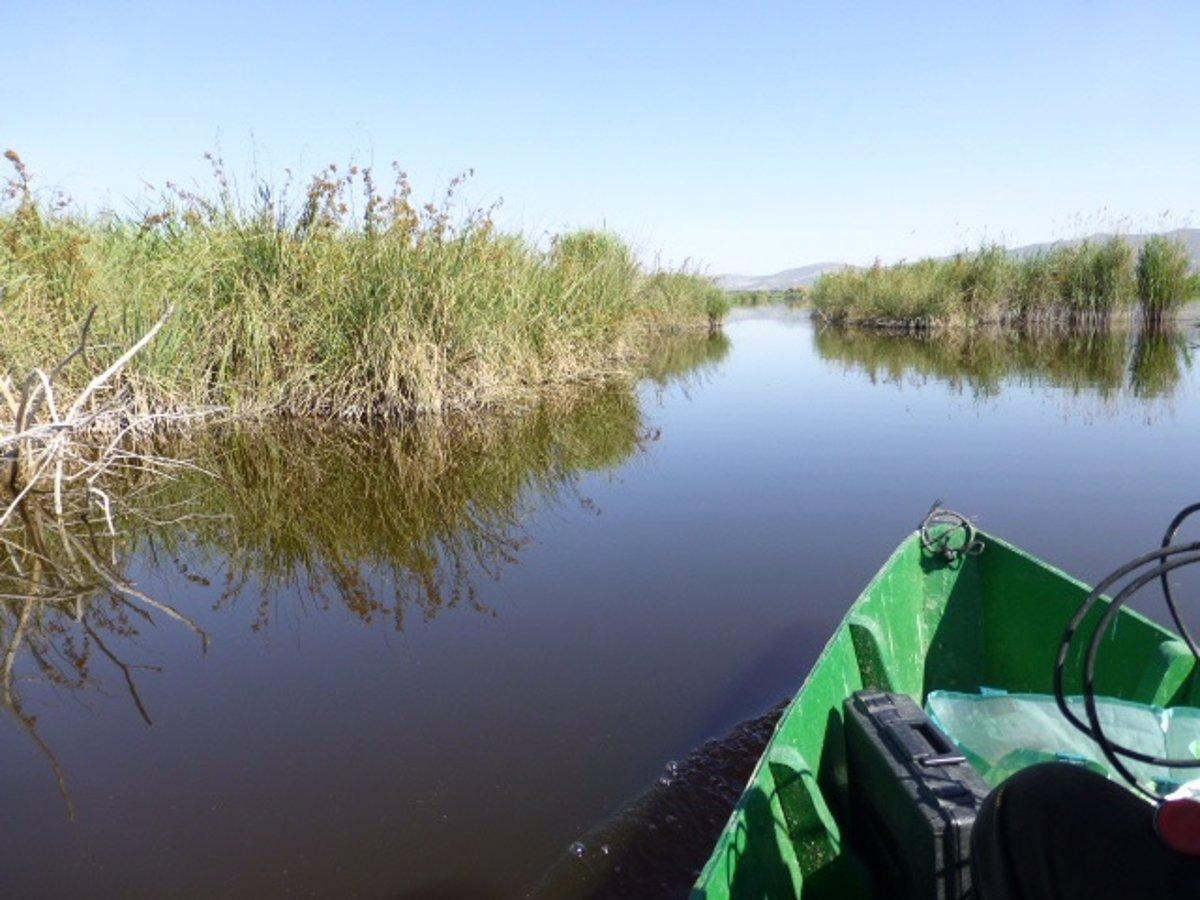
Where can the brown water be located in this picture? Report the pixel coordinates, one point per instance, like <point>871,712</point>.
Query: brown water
<point>436,661</point>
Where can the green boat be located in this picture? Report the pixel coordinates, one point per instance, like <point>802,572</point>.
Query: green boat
<point>991,618</point>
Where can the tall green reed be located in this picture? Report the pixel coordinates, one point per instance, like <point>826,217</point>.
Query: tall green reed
<point>1087,282</point>
<point>1164,281</point>
<point>342,298</point>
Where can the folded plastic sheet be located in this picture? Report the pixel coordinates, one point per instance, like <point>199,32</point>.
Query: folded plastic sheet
<point>1001,733</point>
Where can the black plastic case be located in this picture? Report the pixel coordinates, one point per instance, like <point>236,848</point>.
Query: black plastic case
<point>913,797</point>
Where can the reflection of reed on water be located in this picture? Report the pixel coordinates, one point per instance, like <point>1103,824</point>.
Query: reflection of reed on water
<point>378,523</point>
<point>65,604</point>
<point>381,523</point>
<point>375,522</point>
<point>686,357</point>
<point>1105,361</point>
<point>65,453</point>
<point>384,523</point>
<point>1160,356</point>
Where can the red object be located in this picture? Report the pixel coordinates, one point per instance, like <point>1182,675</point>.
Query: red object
<point>1178,823</point>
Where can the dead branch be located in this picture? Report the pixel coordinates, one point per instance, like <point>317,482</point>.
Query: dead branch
<point>101,379</point>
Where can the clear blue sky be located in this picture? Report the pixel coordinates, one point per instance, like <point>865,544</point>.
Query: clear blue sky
<point>749,136</point>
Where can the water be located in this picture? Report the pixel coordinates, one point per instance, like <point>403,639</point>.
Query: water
<point>434,663</point>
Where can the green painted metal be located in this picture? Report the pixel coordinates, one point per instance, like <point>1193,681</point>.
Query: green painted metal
<point>922,624</point>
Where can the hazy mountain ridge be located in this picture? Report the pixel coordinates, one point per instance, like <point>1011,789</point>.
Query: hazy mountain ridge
<point>780,281</point>
<point>804,276</point>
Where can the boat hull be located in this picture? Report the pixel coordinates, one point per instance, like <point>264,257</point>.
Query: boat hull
<point>922,624</point>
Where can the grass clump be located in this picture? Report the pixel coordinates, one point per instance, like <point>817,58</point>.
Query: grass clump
<point>343,299</point>
<point>676,296</point>
<point>1164,280</point>
<point>1086,282</point>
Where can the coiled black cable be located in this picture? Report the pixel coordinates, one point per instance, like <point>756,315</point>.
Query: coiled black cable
<point>1168,538</point>
<point>948,534</point>
<point>1162,561</point>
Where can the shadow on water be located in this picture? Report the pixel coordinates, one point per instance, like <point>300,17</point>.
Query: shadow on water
<point>657,843</point>
<point>1108,362</point>
<point>382,525</point>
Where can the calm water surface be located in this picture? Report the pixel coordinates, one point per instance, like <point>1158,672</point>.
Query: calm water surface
<point>433,663</point>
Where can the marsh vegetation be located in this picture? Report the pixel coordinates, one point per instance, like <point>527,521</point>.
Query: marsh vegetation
<point>341,299</point>
<point>1086,283</point>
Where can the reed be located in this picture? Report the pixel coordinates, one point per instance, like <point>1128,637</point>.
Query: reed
<point>1088,282</point>
<point>1164,281</point>
<point>342,299</point>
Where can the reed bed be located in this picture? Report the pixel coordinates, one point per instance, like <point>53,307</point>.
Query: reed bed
<point>1164,278</point>
<point>1085,283</point>
<point>342,299</point>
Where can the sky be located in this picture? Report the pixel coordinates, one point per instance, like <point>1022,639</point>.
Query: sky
<point>739,137</point>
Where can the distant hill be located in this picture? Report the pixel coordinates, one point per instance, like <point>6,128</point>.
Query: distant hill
<point>780,281</point>
<point>1189,236</point>
<point>804,276</point>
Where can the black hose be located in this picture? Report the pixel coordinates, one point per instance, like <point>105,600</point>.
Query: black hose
<point>1168,537</point>
<point>938,529</point>
<point>1164,560</point>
